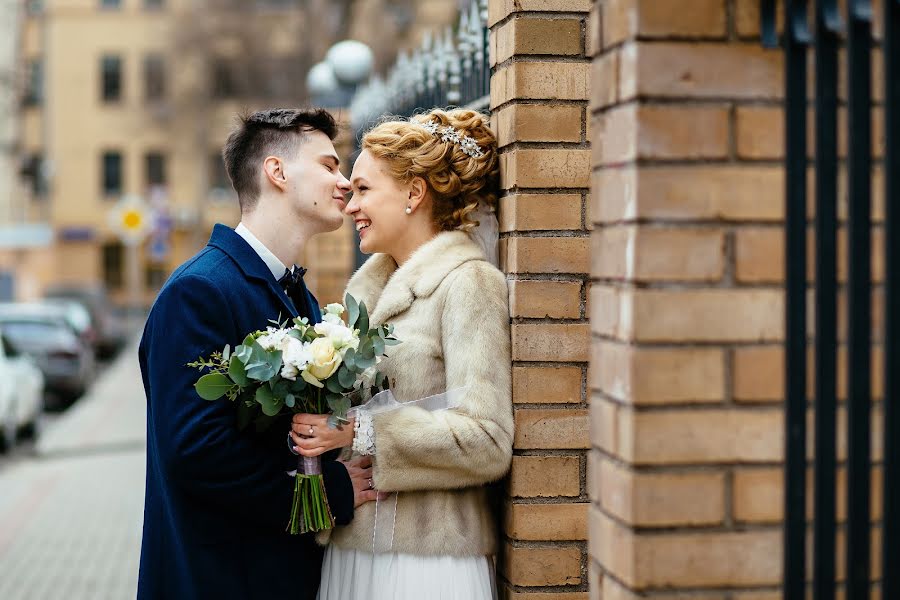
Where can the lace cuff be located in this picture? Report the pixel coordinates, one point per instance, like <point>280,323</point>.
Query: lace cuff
<point>364,433</point>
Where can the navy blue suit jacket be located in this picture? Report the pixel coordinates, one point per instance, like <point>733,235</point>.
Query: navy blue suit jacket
<point>217,498</point>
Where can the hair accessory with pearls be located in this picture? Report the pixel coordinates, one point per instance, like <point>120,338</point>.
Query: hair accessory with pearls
<point>448,134</point>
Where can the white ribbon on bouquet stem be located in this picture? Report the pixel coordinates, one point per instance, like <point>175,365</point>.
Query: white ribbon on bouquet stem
<point>386,510</point>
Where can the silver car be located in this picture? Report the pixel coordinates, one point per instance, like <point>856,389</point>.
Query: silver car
<point>44,332</point>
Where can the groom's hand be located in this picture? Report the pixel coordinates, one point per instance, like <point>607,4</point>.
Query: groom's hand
<point>360,471</point>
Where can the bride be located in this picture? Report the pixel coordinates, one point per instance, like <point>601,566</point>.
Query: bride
<point>424,192</point>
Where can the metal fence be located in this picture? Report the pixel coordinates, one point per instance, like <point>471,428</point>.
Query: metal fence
<point>451,68</point>
<point>832,33</point>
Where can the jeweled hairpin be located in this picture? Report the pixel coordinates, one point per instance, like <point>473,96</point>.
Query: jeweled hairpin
<point>448,134</point>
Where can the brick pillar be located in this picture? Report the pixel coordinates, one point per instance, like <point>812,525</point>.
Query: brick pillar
<point>539,94</point>
<point>686,303</point>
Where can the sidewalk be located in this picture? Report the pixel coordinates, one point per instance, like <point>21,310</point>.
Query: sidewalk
<point>70,518</point>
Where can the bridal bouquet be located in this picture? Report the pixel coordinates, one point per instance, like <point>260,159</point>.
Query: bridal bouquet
<point>301,368</point>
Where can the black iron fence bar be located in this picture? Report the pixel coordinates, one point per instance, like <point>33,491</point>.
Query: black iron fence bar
<point>797,39</point>
<point>859,297</point>
<point>890,559</point>
<point>828,28</point>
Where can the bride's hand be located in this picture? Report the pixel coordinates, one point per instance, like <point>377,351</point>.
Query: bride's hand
<point>312,436</point>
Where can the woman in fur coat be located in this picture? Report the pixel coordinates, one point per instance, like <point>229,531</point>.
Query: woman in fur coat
<point>417,185</point>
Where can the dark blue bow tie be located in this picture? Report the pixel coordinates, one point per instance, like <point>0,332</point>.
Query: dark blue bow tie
<point>292,280</point>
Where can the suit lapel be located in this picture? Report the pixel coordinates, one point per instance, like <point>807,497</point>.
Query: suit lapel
<point>251,265</point>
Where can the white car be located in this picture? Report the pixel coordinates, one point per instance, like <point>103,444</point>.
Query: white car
<point>21,395</point>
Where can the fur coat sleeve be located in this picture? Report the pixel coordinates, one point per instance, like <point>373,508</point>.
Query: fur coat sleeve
<point>470,445</point>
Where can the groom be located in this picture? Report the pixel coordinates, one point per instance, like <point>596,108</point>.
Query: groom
<point>218,498</point>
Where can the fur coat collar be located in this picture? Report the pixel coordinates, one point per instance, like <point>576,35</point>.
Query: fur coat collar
<point>388,290</point>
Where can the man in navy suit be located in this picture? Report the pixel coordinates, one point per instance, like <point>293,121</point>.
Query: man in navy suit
<point>218,498</point>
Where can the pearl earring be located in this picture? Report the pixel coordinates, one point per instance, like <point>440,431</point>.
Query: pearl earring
<point>409,210</point>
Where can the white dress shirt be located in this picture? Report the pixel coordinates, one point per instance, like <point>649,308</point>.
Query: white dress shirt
<point>275,266</point>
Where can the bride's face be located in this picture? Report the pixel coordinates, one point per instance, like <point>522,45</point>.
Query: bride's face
<point>377,206</point>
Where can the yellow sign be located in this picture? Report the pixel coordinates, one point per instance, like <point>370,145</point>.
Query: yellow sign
<point>131,218</point>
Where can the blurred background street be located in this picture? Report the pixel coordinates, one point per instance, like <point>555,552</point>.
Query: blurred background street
<point>71,503</point>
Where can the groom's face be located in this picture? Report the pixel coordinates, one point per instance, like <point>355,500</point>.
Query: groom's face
<point>315,186</point>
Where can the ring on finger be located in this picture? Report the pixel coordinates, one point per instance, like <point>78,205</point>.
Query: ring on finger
<point>310,430</point>
<point>371,484</point>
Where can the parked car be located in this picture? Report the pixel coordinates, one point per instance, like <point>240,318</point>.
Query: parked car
<point>77,316</point>
<point>21,395</point>
<point>44,332</point>
<point>109,330</point>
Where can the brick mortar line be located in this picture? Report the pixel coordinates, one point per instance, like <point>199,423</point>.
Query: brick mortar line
<point>682,468</point>
<point>553,452</point>
<point>547,15</point>
<point>549,501</point>
<point>679,285</point>
<point>549,277</point>
<point>549,406</point>
<point>676,285</point>
<point>731,21</point>
<point>548,363</point>
<point>673,530</point>
<point>644,409</point>
<point>669,344</point>
<point>538,101</point>
<point>548,233</point>
<point>527,145</point>
<point>542,58</point>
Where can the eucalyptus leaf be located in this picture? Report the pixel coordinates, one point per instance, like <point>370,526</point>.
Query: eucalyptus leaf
<point>289,401</point>
<point>350,359</point>
<point>226,353</point>
<point>213,386</point>
<point>333,385</point>
<point>378,345</point>
<point>236,370</point>
<point>346,377</point>
<point>363,323</point>
<point>352,311</point>
<point>271,406</point>
<point>243,353</point>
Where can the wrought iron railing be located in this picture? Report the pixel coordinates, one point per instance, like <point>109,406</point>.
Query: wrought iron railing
<point>853,33</point>
<point>451,68</point>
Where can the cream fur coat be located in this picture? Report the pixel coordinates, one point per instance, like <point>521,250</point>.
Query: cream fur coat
<point>450,309</point>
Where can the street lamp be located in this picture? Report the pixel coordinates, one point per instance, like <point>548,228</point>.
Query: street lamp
<point>333,81</point>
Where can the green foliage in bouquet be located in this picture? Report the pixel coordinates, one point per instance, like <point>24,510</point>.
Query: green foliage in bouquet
<point>301,368</point>
<point>257,374</point>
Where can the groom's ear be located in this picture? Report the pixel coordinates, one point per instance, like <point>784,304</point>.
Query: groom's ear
<point>275,172</point>
<point>418,189</point>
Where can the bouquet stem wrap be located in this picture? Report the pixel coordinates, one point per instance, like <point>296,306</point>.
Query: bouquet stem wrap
<point>386,509</point>
<point>309,511</point>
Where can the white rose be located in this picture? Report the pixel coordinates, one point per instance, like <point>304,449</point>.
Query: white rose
<point>335,309</point>
<point>339,334</point>
<point>325,360</point>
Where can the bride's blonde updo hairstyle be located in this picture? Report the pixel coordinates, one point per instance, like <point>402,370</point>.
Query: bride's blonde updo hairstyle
<point>457,181</point>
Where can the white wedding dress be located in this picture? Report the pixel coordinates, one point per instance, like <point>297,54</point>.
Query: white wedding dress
<point>356,575</point>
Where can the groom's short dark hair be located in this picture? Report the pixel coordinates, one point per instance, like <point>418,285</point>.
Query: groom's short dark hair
<point>267,132</point>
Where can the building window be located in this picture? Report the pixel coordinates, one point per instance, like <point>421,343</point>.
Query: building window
<point>113,258</point>
<point>154,77</point>
<point>224,80</point>
<point>34,7</point>
<point>110,4</point>
<point>111,78</point>
<point>34,172</point>
<point>155,169</point>
<point>155,276</point>
<point>112,173</point>
<point>34,86</point>
<point>154,4</point>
